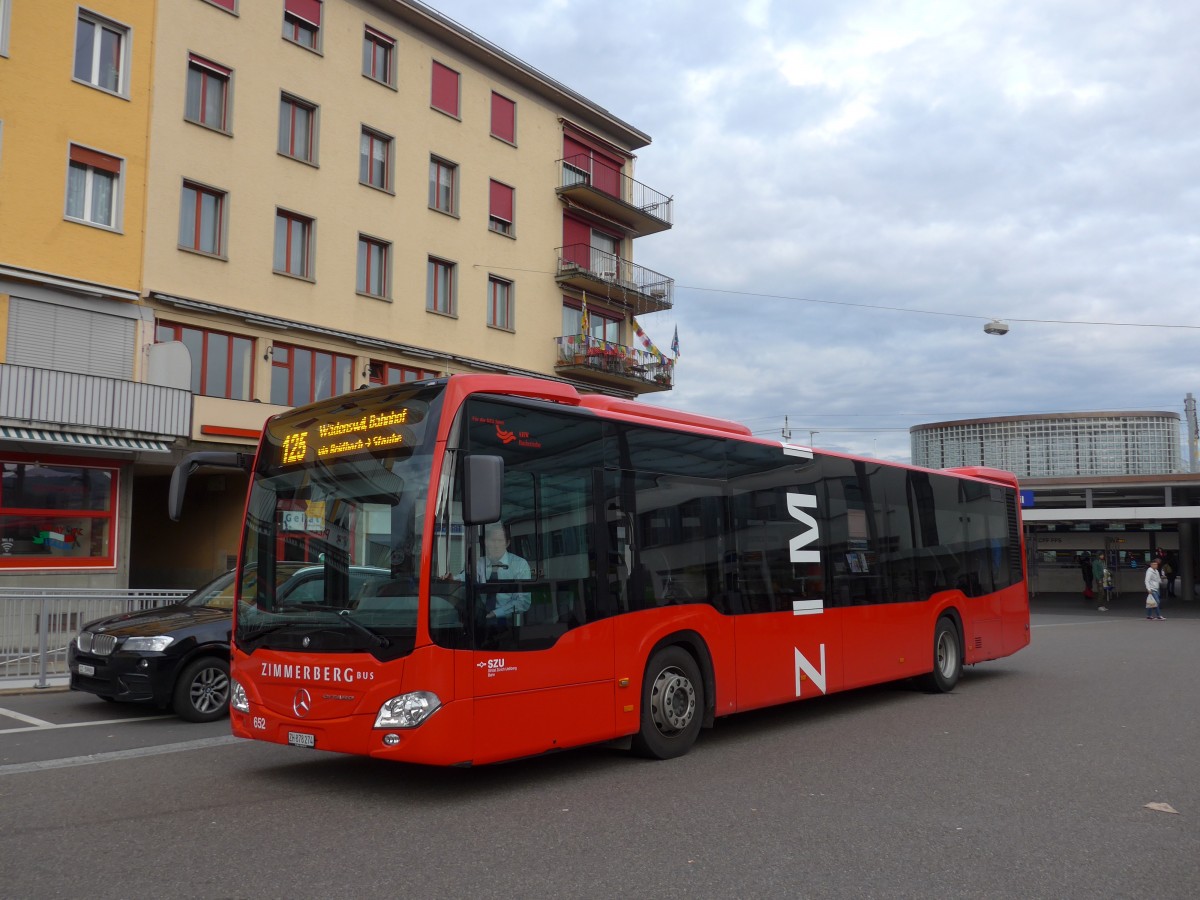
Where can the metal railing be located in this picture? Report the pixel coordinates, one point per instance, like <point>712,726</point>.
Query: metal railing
<point>615,359</point>
<point>617,272</point>
<point>585,170</point>
<point>37,624</point>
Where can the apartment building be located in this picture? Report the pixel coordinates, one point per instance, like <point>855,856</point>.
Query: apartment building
<point>329,194</point>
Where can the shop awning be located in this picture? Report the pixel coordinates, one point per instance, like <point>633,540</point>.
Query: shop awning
<point>82,441</point>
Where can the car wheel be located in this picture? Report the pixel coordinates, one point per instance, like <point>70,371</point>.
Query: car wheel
<point>947,658</point>
<point>202,692</point>
<point>672,705</point>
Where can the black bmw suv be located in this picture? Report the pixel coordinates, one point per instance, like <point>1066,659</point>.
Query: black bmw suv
<point>178,656</point>
<point>173,656</point>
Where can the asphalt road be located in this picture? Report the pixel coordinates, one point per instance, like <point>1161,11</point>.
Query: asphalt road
<point>1030,780</point>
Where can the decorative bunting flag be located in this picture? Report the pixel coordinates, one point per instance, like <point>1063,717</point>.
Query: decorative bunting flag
<point>645,339</point>
<point>675,343</point>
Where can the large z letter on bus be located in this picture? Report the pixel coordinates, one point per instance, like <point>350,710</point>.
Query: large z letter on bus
<point>796,504</point>
<point>807,668</point>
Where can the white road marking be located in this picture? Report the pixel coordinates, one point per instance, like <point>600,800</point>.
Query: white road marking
<point>21,717</point>
<point>114,756</point>
<point>50,726</point>
<point>1069,624</point>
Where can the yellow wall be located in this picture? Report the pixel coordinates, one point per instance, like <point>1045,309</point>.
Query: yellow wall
<point>44,111</point>
<point>258,180</point>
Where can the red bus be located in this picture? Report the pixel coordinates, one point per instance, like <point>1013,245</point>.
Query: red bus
<point>511,567</point>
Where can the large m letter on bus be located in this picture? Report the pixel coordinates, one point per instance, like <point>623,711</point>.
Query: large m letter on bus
<point>796,504</point>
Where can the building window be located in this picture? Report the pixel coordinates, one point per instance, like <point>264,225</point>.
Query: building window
<point>443,186</point>
<point>374,267</point>
<point>293,244</point>
<point>394,373</point>
<point>379,52</point>
<point>602,325</point>
<point>302,23</point>
<point>297,129</point>
<point>500,208</point>
<point>375,160</point>
<point>445,90</point>
<point>100,51</point>
<point>500,303</point>
<point>207,93</point>
<point>222,364</point>
<point>93,187</point>
<point>202,219</point>
<point>227,5</point>
<point>440,290</point>
<point>5,11</point>
<point>56,515</point>
<point>300,375</point>
<point>504,118</point>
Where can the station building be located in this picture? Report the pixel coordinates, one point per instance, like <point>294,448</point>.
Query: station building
<point>1108,482</point>
<point>316,195</point>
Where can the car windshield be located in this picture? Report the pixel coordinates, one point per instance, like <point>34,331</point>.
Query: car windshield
<point>335,515</point>
<point>217,594</point>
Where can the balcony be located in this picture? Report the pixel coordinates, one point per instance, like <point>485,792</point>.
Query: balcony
<point>614,364</point>
<point>66,400</point>
<point>604,274</point>
<point>608,191</point>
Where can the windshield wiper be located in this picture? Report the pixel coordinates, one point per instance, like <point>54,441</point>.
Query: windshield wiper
<point>378,639</point>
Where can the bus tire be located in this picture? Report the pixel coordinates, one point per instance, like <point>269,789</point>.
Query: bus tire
<point>202,691</point>
<point>672,705</point>
<point>947,658</point>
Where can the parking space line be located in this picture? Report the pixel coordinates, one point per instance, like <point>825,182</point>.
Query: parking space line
<point>43,765</point>
<point>50,726</point>
<point>21,717</point>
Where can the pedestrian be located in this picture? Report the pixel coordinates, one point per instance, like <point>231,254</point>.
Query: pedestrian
<point>1153,583</point>
<point>1169,573</point>
<point>1085,567</point>
<point>1098,577</point>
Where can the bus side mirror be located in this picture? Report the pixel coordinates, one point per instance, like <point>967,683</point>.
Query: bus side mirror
<point>220,459</point>
<point>483,481</point>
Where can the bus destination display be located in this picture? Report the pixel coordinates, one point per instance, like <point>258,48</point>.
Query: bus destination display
<point>337,437</point>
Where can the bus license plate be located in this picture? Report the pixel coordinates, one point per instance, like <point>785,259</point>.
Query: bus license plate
<point>85,669</point>
<point>300,739</point>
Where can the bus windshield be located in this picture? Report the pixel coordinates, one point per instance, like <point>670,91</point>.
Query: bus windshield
<point>332,540</point>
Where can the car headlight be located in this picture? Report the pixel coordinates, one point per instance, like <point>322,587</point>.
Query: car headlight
<point>237,697</point>
<point>156,644</point>
<point>407,710</point>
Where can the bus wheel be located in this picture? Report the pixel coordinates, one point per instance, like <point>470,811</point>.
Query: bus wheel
<point>202,691</point>
<point>947,658</point>
<point>672,705</point>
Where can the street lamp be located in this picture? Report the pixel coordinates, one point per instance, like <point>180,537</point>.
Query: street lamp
<point>996,326</point>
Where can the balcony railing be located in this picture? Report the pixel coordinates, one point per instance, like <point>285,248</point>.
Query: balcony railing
<point>66,398</point>
<point>614,363</point>
<point>608,275</point>
<point>590,182</point>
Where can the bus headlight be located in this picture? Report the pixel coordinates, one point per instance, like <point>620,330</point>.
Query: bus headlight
<point>237,696</point>
<point>407,710</point>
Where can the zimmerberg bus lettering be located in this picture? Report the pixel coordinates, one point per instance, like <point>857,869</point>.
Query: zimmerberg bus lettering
<point>315,673</point>
<point>804,667</point>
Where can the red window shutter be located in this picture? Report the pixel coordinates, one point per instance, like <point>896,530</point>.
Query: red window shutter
<point>504,118</point>
<point>577,155</point>
<point>101,161</point>
<point>501,201</point>
<point>209,64</point>
<point>225,4</point>
<point>606,174</point>
<point>445,89</point>
<point>308,10</point>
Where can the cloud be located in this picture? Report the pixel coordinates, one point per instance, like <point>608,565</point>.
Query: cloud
<point>1034,160</point>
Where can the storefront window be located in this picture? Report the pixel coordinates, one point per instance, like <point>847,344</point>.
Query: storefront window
<point>55,515</point>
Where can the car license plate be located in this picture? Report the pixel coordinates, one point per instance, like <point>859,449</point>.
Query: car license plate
<point>86,669</point>
<point>300,739</point>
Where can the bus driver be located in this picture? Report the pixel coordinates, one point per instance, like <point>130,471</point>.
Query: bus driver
<point>498,564</point>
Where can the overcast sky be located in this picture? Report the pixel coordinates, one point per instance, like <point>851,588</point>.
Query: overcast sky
<point>1026,160</point>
